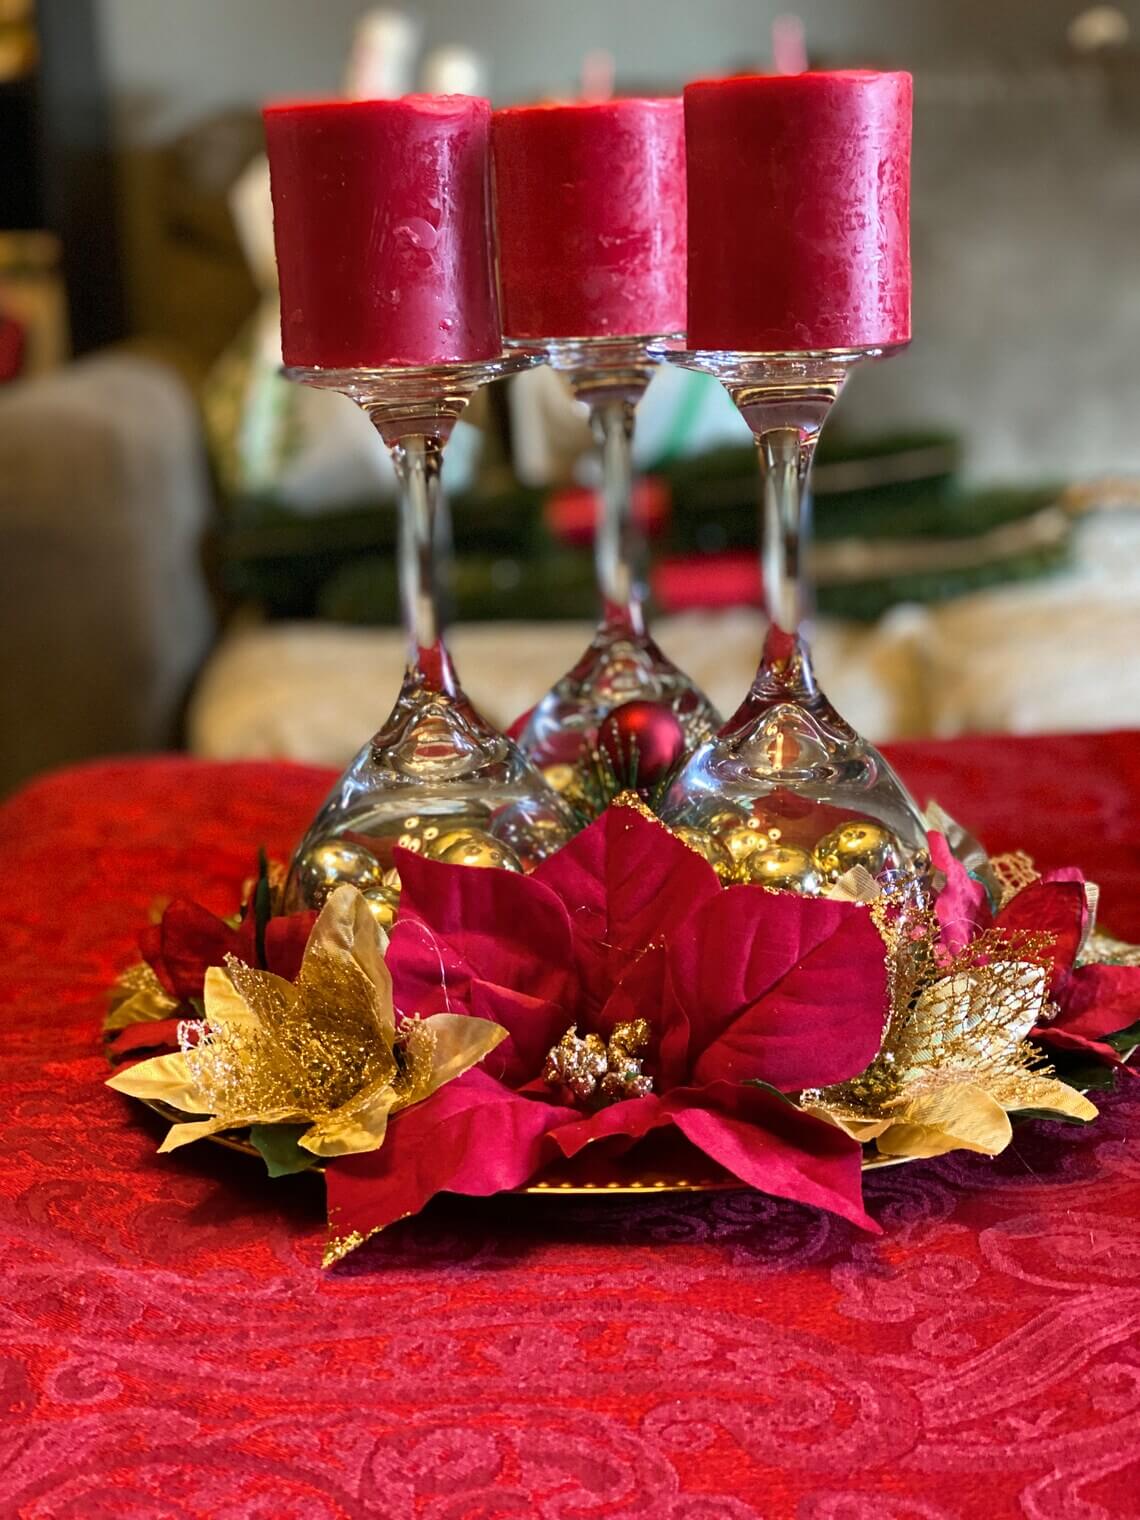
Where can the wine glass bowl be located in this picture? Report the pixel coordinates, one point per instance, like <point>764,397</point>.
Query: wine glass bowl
<point>622,663</point>
<point>436,778</point>
<point>794,794</point>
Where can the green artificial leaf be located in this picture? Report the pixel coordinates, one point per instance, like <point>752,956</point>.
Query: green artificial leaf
<point>279,1149</point>
<point>1083,1074</point>
<point>1017,1116</point>
<point>1125,1041</point>
<point>768,1088</point>
<point>261,904</point>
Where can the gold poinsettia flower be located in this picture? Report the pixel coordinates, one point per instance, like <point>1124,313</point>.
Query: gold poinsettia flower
<point>137,997</point>
<point>324,1050</point>
<point>954,1063</point>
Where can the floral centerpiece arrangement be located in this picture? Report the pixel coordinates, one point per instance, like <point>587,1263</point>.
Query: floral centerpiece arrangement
<point>623,1004</point>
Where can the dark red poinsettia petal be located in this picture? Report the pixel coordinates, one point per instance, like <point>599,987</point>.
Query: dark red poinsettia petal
<point>188,941</point>
<point>784,989</point>
<point>1095,1001</point>
<point>640,994</point>
<point>626,881</point>
<point>756,1135</point>
<point>147,1038</point>
<point>285,941</point>
<point>631,1120</point>
<point>1063,1039</point>
<point>493,926</point>
<point>772,1146</point>
<point>533,1025</point>
<point>473,1136</point>
<point>1059,908</point>
<point>150,948</point>
<point>963,906</point>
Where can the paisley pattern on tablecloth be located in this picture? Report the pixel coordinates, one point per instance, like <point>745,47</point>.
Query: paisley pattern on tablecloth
<point>169,1346</point>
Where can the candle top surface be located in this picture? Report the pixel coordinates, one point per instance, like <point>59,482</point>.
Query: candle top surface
<point>424,105</point>
<point>811,78</point>
<point>613,106</point>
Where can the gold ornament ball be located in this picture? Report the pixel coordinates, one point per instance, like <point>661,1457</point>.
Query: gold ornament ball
<point>333,862</point>
<point>854,844</point>
<point>471,847</point>
<point>383,904</point>
<point>560,778</point>
<point>743,841</point>
<point>707,847</point>
<point>784,867</point>
<point>723,822</point>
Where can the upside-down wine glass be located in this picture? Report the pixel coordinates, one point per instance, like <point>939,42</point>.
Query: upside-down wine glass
<point>787,769</point>
<point>622,662</point>
<point>590,210</point>
<point>799,267</point>
<point>384,250</point>
<point>436,776</point>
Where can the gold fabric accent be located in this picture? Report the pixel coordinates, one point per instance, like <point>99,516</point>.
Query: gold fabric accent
<point>588,1070</point>
<point>954,1061</point>
<point>324,1050</point>
<point>137,997</point>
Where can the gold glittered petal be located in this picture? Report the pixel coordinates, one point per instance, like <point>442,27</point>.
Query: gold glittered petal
<point>137,997</point>
<point>347,932</point>
<point>855,1126</point>
<point>958,1117</point>
<point>1026,1089</point>
<point>179,1135</point>
<point>142,1008</point>
<point>162,1079</point>
<point>972,1017</point>
<point>359,1126</point>
<point>458,1043</point>
<point>1103,950</point>
<point>225,1007</point>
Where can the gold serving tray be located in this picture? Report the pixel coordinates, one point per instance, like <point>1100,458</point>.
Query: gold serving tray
<point>590,1174</point>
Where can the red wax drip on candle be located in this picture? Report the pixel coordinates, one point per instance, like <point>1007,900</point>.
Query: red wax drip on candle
<point>799,211</point>
<point>590,207</point>
<point>382,227</point>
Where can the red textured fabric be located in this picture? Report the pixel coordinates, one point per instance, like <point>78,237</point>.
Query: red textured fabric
<point>169,1346</point>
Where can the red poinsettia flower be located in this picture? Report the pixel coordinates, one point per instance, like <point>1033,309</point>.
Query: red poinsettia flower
<point>181,948</point>
<point>740,986</point>
<point>1093,1001</point>
<point>189,939</point>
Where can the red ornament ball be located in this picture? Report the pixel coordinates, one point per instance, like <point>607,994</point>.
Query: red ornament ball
<point>642,741</point>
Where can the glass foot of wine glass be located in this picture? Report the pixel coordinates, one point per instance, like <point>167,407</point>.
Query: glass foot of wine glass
<point>787,793</point>
<point>437,778</point>
<point>622,662</point>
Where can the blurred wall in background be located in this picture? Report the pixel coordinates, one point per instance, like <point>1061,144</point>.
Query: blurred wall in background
<point>1026,176</point>
<point>171,61</point>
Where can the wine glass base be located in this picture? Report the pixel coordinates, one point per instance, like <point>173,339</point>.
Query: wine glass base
<point>790,796</point>
<point>439,780</point>
<point>620,665</point>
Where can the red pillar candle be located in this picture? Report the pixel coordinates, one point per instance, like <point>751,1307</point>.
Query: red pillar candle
<point>590,208</point>
<point>799,211</point>
<point>381,218</point>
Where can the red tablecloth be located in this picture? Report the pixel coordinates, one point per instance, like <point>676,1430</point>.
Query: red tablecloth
<point>171,1348</point>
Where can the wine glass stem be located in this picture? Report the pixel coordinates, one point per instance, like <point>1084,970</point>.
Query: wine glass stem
<point>418,460</point>
<point>617,543</point>
<point>785,454</point>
